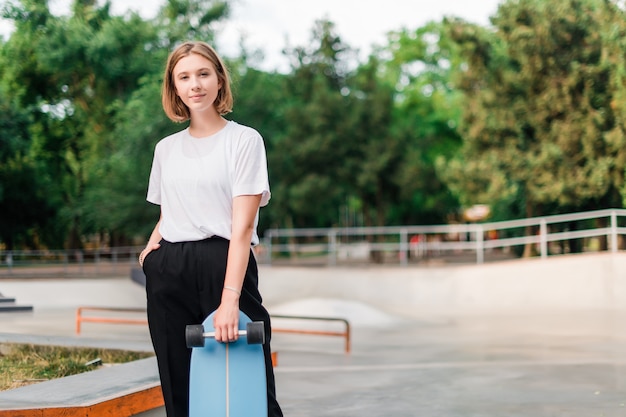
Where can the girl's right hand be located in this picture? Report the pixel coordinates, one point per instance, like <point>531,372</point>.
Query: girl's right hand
<point>149,248</point>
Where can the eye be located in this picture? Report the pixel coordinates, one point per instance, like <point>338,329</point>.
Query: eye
<point>204,74</point>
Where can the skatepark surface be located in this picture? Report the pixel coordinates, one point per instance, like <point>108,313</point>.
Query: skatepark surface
<point>518,361</point>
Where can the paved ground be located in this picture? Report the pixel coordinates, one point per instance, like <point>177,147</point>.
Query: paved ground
<point>570,365</point>
<point>526,364</point>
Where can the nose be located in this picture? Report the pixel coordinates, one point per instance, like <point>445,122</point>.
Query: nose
<point>195,83</point>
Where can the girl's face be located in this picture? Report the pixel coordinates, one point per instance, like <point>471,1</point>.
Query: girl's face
<point>196,83</point>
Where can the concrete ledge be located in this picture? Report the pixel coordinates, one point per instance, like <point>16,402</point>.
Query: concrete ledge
<point>119,391</point>
<point>137,275</point>
<point>8,304</point>
<point>594,281</point>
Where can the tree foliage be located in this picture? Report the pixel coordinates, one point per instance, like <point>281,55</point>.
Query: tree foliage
<point>527,115</point>
<point>79,78</point>
<point>538,116</point>
<point>426,113</point>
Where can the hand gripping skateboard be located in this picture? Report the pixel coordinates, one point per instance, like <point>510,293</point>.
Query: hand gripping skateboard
<point>227,379</point>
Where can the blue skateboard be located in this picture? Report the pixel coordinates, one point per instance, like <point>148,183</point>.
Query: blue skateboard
<point>227,379</point>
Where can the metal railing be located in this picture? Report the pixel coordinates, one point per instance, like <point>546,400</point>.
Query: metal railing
<point>117,315</point>
<point>345,334</point>
<point>63,263</point>
<point>403,244</point>
<point>110,315</point>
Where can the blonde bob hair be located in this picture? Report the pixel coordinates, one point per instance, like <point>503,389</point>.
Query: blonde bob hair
<point>174,107</point>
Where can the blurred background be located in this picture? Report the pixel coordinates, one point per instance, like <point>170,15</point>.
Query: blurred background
<point>505,110</point>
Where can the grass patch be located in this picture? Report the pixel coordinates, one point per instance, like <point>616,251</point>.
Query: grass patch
<point>25,364</point>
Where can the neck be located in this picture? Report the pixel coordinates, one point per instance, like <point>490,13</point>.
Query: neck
<point>206,124</point>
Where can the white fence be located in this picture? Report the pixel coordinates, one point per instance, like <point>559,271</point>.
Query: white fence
<point>62,263</point>
<point>589,231</point>
<point>402,245</point>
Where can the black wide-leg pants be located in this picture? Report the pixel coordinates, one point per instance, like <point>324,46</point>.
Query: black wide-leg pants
<point>184,284</point>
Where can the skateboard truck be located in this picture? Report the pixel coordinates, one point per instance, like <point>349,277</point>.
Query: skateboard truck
<point>254,333</point>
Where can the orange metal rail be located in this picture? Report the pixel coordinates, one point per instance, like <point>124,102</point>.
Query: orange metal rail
<point>80,318</point>
<point>345,334</point>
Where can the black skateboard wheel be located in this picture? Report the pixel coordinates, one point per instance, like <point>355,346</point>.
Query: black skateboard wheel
<point>194,335</point>
<point>255,333</point>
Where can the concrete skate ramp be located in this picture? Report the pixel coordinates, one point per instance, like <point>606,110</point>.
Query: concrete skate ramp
<point>559,283</point>
<point>357,313</point>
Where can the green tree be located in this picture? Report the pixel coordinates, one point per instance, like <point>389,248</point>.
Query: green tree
<point>97,60</point>
<point>81,79</point>
<point>375,159</point>
<point>23,203</point>
<point>180,20</point>
<point>537,112</point>
<point>318,139</point>
<point>260,102</point>
<point>426,114</point>
<point>118,206</point>
<point>614,56</point>
<point>26,181</point>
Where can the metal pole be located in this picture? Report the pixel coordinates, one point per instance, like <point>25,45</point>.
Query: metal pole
<point>10,261</point>
<point>613,232</point>
<point>268,247</point>
<point>332,247</point>
<point>543,238</point>
<point>404,247</point>
<point>480,247</point>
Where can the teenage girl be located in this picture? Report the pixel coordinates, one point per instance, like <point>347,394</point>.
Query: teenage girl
<point>209,180</point>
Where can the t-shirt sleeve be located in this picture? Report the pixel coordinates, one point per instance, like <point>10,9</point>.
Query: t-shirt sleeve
<point>251,176</point>
<point>154,184</point>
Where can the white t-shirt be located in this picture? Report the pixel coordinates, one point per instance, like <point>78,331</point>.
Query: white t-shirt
<point>194,180</point>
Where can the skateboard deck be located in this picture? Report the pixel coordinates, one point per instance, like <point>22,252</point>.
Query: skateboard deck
<point>227,379</point>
